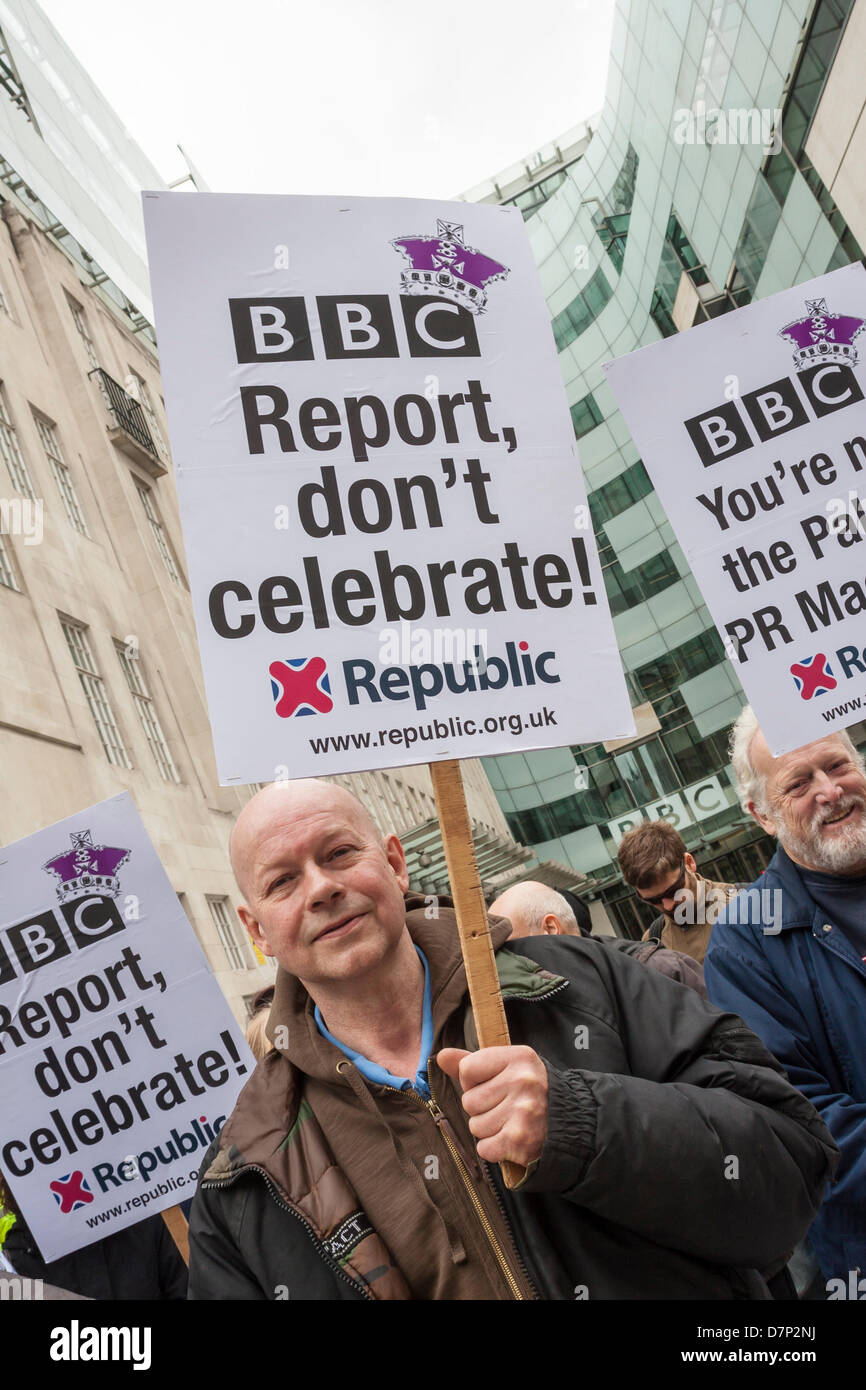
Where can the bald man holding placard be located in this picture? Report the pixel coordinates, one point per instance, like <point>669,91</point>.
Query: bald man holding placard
<point>358,1162</point>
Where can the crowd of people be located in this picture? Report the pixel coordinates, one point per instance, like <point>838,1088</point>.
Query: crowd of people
<point>686,1113</point>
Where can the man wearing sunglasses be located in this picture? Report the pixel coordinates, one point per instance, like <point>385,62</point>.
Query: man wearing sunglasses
<point>656,864</point>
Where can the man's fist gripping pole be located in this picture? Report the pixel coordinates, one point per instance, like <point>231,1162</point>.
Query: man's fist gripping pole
<point>505,1096</point>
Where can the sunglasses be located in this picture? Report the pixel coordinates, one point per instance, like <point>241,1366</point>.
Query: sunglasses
<point>668,893</point>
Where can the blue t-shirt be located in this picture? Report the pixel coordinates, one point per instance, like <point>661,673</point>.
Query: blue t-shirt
<point>372,1071</point>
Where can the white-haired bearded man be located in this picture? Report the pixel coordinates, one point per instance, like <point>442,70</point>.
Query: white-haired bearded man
<point>789,955</point>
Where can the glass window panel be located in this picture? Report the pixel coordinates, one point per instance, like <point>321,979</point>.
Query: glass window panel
<point>147,714</point>
<point>7,572</point>
<point>576,317</point>
<point>158,531</point>
<point>637,777</point>
<point>11,452</point>
<point>658,765</point>
<point>62,476</point>
<point>81,326</point>
<point>614,796</point>
<point>222,918</point>
<point>585,415</point>
<point>693,756</point>
<point>779,176</point>
<point>94,689</point>
<point>666,673</point>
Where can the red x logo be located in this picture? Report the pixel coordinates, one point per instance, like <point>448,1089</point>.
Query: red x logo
<point>300,687</point>
<point>813,676</point>
<point>71,1192</point>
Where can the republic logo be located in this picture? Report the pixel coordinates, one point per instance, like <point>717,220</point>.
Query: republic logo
<point>813,676</point>
<point>72,1191</point>
<point>300,686</point>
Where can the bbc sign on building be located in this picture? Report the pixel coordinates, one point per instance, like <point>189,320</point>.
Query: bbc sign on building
<point>698,802</point>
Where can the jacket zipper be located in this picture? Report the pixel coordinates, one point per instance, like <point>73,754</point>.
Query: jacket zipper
<point>441,1122</point>
<point>501,1205</point>
<point>274,1192</point>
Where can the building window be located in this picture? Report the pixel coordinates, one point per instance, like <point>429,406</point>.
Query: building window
<point>759,226</point>
<point>626,588</point>
<point>613,233</point>
<point>775,178</point>
<point>659,680</point>
<point>11,451</point>
<point>531,199</point>
<point>677,255</point>
<point>622,193</point>
<point>221,913</point>
<point>62,476</point>
<point>143,702</point>
<point>5,306</point>
<point>93,686</point>
<point>158,530</point>
<point>619,494</point>
<point>576,317</point>
<point>816,59</point>
<point>585,415</point>
<point>7,572</point>
<point>695,756</point>
<point>81,325</point>
<point>136,386</point>
<point>661,317</point>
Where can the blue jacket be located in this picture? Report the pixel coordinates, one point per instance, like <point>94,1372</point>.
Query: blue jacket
<point>796,980</point>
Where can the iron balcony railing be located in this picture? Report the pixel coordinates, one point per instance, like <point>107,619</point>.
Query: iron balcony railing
<point>125,411</point>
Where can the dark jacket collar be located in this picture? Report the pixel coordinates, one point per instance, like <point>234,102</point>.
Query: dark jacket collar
<point>799,908</point>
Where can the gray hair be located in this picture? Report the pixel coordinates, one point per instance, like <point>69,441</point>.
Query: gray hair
<point>751,785</point>
<point>535,901</point>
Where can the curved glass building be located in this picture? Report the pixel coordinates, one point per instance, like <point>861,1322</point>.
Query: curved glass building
<point>727,164</point>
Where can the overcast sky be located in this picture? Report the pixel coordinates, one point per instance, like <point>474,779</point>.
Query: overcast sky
<point>342,96</point>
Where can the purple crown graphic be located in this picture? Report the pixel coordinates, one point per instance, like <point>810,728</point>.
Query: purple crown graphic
<point>444,265</point>
<point>822,336</point>
<point>86,868</point>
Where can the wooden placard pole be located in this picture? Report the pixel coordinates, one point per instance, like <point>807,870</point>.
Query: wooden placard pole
<point>472,922</point>
<point>178,1230</point>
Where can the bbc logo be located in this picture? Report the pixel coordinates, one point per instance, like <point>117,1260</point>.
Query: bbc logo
<point>351,326</point>
<point>40,940</point>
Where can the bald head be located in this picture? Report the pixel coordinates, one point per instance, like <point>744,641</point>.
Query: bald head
<point>280,804</point>
<point>533,909</point>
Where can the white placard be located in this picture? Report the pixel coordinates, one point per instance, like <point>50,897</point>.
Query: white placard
<point>753,431</point>
<point>386,525</point>
<point>119,1056</point>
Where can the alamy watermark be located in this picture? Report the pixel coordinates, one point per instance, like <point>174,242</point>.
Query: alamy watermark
<point>736,125</point>
<point>751,906</point>
<point>14,1287</point>
<point>22,516</point>
<point>408,645</point>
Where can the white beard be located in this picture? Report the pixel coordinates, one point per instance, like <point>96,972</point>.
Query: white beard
<point>838,855</point>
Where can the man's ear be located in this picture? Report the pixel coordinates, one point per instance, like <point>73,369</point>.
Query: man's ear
<point>253,930</point>
<point>551,925</point>
<point>397,859</point>
<point>689,861</point>
<point>763,821</point>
